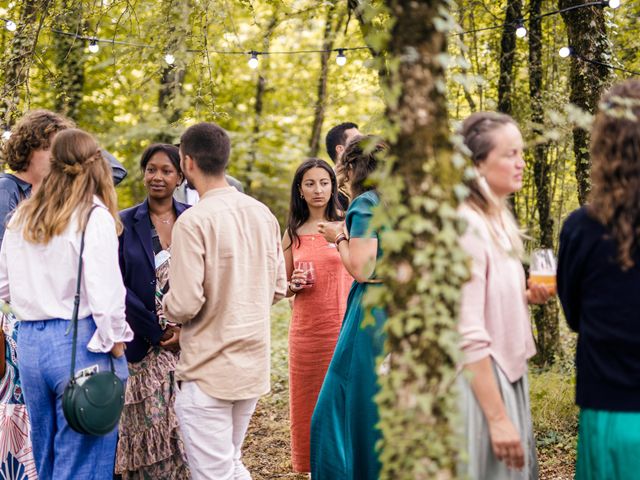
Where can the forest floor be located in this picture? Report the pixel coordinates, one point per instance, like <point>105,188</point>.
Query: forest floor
<point>266,449</point>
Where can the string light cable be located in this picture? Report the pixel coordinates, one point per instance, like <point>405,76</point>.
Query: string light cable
<point>521,30</point>
<point>341,59</point>
<point>565,52</point>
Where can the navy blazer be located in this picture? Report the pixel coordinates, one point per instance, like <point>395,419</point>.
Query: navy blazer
<point>137,264</point>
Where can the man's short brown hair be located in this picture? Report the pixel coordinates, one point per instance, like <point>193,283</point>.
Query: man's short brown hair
<point>209,145</point>
<point>32,132</point>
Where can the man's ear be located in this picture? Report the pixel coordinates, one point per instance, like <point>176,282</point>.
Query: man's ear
<point>339,150</point>
<point>188,163</point>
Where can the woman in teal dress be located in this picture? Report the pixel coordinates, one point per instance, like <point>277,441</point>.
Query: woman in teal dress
<point>344,425</point>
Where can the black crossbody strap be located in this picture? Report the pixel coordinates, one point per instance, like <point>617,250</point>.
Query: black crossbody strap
<point>76,304</point>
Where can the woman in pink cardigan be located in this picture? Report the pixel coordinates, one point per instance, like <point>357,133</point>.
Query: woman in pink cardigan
<point>494,317</point>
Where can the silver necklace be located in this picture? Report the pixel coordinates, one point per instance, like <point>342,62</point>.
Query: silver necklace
<point>165,221</point>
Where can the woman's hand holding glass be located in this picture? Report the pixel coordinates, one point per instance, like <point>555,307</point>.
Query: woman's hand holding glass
<point>303,276</point>
<point>542,276</point>
<point>298,279</point>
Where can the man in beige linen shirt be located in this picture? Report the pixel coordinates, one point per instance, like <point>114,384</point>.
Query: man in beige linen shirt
<point>227,268</point>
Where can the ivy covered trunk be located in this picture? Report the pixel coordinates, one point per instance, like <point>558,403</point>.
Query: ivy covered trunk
<point>16,65</point>
<point>423,267</point>
<point>507,55</point>
<point>545,316</point>
<point>69,58</point>
<point>587,35</point>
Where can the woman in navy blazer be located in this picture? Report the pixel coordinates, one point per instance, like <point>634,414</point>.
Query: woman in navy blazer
<point>150,445</point>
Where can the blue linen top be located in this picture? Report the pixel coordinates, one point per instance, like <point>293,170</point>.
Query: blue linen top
<point>359,217</point>
<point>12,191</point>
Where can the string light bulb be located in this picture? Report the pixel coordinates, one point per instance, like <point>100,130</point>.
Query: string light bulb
<point>93,45</point>
<point>341,59</point>
<point>169,58</point>
<point>11,25</point>
<point>253,61</point>
<point>613,3</point>
<point>564,52</point>
<point>521,31</point>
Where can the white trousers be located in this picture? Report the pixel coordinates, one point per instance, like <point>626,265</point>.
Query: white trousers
<point>213,431</point>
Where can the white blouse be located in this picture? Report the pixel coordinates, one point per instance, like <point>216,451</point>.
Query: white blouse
<point>40,280</point>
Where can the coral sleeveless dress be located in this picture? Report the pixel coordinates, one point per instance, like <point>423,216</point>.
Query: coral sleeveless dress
<point>315,325</point>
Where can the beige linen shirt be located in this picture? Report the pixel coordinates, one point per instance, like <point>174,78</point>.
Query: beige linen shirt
<point>227,268</point>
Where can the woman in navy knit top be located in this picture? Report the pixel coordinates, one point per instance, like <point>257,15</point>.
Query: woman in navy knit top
<point>599,286</point>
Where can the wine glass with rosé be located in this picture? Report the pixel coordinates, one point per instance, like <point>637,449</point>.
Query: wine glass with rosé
<point>309,273</point>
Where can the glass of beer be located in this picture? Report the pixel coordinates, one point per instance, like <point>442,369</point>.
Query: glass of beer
<point>542,270</point>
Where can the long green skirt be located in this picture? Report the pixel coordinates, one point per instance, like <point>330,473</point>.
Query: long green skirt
<point>608,445</point>
<point>344,424</point>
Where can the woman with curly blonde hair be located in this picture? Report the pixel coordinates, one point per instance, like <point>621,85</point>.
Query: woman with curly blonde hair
<point>39,261</point>
<point>598,284</point>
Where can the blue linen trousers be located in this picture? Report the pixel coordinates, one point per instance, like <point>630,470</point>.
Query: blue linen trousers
<point>44,360</point>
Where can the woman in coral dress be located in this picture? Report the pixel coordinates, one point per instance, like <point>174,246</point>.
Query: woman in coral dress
<point>321,285</point>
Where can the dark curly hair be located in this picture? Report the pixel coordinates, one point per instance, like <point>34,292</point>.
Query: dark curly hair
<point>362,156</point>
<point>32,132</point>
<point>615,171</point>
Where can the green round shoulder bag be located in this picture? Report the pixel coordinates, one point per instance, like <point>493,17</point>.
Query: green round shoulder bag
<point>93,406</point>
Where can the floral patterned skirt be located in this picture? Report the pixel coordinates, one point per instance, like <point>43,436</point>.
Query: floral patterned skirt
<point>16,454</point>
<point>149,443</point>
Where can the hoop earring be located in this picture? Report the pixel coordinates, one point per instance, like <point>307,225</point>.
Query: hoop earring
<point>301,195</point>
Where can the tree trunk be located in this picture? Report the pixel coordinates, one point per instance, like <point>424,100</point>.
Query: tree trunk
<point>171,100</point>
<point>587,35</point>
<point>507,55</point>
<point>16,65</point>
<point>319,108</point>
<point>545,316</point>
<point>423,267</point>
<point>261,90</point>
<point>69,59</point>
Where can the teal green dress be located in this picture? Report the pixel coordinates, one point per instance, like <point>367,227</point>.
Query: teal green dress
<point>343,426</point>
<point>608,445</point>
